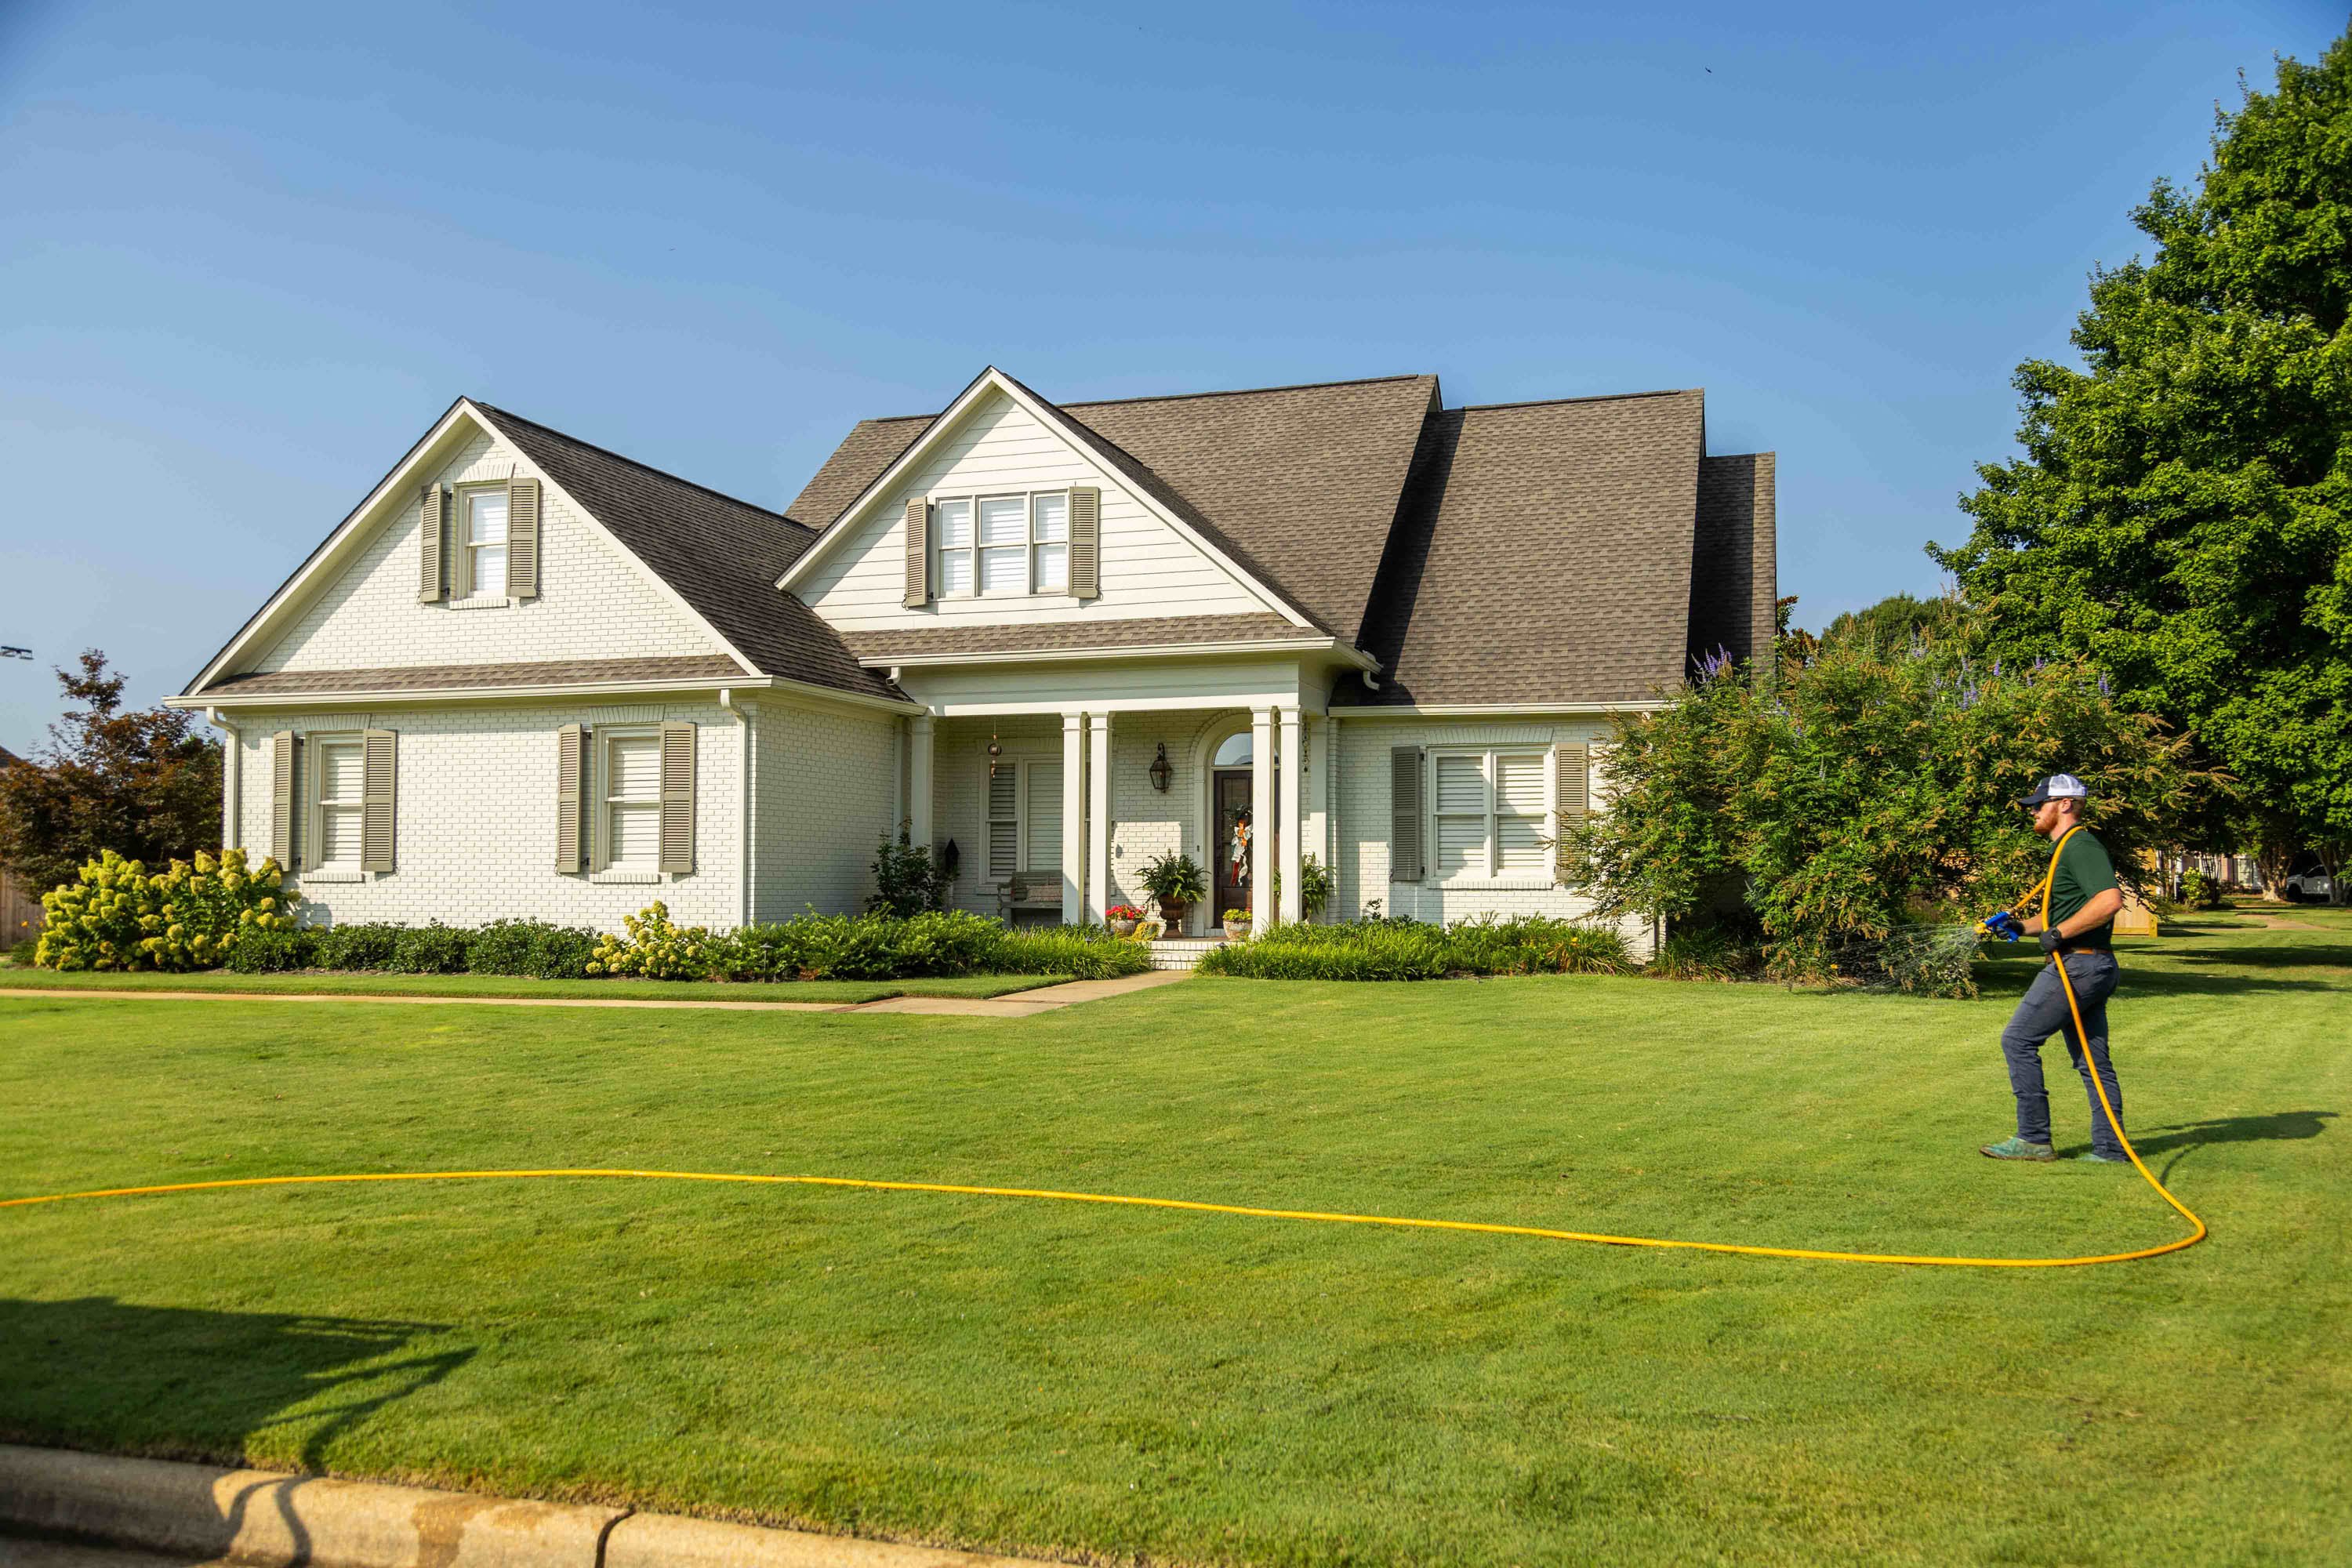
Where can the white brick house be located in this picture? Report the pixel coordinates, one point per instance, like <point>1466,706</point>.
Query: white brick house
<point>528,676</point>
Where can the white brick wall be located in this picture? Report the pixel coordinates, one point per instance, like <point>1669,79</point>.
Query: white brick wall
<point>824,799</point>
<point>1364,799</point>
<point>476,818</point>
<point>594,602</point>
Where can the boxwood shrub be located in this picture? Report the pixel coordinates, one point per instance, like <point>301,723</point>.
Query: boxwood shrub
<point>1393,948</point>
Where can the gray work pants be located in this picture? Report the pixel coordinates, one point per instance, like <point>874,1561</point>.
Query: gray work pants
<point>2043,1014</point>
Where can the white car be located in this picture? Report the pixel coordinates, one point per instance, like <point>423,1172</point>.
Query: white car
<point>2309,882</point>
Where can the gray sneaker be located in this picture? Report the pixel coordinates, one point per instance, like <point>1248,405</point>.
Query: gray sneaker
<point>2019,1148</point>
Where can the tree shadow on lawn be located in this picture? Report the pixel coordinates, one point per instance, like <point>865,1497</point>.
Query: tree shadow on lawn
<point>2006,979</point>
<point>103,1373</point>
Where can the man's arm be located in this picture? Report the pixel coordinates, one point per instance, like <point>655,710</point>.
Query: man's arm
<point>2104,906</point>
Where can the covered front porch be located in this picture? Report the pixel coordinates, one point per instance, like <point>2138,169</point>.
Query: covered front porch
<point>1054,817</point>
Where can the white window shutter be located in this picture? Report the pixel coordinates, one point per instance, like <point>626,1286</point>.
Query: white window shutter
<point>1086,542</point>
<point>285,750</point>
<point>1572,765</point>
<point>1404,814</point>
<point>522,539</point>
<point>918,552</point>
<point>572,788</point>
<point>376,820</point>
<point>432,529</point>
<point>678,797</point>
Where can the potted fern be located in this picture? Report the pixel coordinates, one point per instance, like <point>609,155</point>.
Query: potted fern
<point>1175,883</point>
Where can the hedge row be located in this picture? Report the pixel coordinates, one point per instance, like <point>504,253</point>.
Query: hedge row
<point>808,947</point>
<point>1399,949</point>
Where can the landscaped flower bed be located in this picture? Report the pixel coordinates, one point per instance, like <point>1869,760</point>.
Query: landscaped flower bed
<point>118,917</point>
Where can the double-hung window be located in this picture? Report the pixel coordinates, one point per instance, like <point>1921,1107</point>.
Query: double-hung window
<point>1001,545</point>
<point>1490,811</point>
<point>339,765</point>
<point>483,523</point>
<point>629,803</point>
<point>1024,817</point>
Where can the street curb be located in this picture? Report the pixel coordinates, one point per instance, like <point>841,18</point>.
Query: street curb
<point>265,1519</point>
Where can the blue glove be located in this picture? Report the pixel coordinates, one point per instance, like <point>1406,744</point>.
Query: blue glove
<point>2003,924</point>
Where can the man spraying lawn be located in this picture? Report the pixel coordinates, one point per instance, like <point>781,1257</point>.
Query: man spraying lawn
<point>2076,929</point>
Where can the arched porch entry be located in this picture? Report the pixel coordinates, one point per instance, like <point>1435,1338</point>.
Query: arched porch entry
<point>1231,809</point>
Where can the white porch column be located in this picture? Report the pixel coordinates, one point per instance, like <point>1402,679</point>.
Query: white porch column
<point>1293,785</point>
<point>1074,817</point>
<point>1098,816</point>
<point>918,781</point>
<point>1262,765</point>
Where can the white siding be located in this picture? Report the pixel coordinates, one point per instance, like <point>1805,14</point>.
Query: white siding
<point>594,601</point>
<point>1147,567</point>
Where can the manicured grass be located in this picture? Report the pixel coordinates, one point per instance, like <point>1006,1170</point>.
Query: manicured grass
<point>1072,1379</point>
<point>373,984</point>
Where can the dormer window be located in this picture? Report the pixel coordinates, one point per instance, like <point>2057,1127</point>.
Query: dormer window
<point>996,546</point>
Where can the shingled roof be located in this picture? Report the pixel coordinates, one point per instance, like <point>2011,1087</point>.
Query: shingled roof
<point>722,555</point>
<point>1544,555</point>
<point>1300,484</point>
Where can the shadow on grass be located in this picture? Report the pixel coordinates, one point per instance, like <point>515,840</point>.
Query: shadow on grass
<point>2279,1124</point>
<point>103,1373</point>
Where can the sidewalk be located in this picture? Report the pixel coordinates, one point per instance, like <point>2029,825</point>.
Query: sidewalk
<point>1019,1005</point>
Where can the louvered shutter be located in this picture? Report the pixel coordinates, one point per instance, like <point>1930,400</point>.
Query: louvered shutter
<point>1405,854</point>
<point>571,796</point>
<point>918,552</point>
<point>678,797</point>
<point>376,753</point>
<point>1572,771</point>
<point>1086,542</point>
<point>522,539</point>
<point>433,523</point>
<point>285,748</point>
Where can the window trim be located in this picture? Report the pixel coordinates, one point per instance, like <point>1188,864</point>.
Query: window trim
<point>461,567</point>
<point>317,807</point>
<point>1491,875</point>
<point>1029,547</point>
<point>601,863</point>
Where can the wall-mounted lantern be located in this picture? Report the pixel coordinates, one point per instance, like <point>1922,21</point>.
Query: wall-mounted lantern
<point>1161,770</point>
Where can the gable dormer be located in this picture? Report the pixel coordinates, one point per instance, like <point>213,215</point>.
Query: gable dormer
<point>1006,511</point>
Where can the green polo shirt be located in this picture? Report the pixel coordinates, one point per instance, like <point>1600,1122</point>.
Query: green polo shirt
<point>2083,871</point>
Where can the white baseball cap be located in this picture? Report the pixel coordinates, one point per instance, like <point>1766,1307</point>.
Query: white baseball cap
<point>2057,787</point>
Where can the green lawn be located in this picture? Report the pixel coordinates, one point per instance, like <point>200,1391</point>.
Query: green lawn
<point>371,985</point>
<point>1060,1378</point>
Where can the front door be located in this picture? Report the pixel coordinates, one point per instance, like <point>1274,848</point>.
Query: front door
<point>1229,882</point>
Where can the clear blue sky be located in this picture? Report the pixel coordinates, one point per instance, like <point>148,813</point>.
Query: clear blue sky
<point>247,252</point>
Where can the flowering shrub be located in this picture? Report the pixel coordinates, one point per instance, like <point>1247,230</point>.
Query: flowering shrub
<point>117,915</point>
<point>657,948</point>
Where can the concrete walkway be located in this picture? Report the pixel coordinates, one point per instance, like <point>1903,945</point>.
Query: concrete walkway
<point>1019,1005</point>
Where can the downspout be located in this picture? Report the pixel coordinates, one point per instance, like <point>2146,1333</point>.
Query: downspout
<point>232,780</point>
<point>743,769</point>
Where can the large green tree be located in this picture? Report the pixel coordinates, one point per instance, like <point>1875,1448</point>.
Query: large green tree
<point>2181,511</point>
<point>143,783</point>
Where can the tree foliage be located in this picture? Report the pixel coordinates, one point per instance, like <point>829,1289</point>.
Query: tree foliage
<point>1871,788</point>
<point>2181,512</point>
<point>145,785</point>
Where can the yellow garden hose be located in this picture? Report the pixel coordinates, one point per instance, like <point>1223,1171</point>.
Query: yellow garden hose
<point>1188,1206</point>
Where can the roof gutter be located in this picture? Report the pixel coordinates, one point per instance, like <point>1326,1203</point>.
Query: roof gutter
<point>414,697</point>
<point>1346,653</point>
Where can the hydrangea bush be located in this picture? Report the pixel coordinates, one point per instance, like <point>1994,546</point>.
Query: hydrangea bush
<point>657,948</point>
<point>117,915</point>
